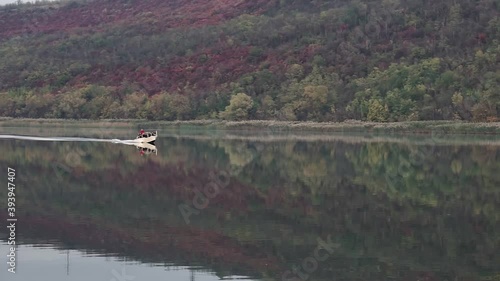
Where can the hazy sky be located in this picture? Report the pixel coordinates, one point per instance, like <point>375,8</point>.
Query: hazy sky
<point>3,2</point>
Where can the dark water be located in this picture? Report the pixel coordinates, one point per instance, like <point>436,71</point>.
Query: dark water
<point>279,207</point>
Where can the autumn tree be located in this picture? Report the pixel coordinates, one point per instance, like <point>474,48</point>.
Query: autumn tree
<point>377,112</point>
<point>98,98</point>
<point>39,105</point>
<point>309,98</point>
<point>8,105</point>
<point>159,107</point>
<point>314,102</point>
<point>69,105</point>
<point>412,56</point>
<point>135,105</point>
<point>238,108</point>
<point>179,107</point>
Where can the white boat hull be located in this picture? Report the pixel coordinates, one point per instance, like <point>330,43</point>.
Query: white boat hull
<point>147,139</point>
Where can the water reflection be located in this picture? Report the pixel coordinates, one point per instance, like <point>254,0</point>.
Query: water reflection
<point>400,209</point>
<point>49,262</point>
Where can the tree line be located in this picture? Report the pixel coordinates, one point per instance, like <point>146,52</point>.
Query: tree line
<point>395,60</point>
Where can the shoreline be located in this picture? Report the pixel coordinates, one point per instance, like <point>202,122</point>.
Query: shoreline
<point>407,127</point>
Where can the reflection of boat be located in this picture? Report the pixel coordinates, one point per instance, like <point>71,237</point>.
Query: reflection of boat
<point>146,148</point>
<point>147,137</point>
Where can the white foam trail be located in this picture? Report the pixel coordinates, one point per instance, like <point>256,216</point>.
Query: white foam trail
<point>64,139</point>
<point>131,142</point>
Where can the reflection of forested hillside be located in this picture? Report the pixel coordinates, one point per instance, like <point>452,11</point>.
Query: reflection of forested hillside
<point>435,216</point>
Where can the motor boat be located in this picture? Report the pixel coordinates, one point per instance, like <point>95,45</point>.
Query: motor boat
<point>147,137</point>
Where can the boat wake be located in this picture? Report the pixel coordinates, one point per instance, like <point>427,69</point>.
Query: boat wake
<point>63,139</point>
<point>125,141</point>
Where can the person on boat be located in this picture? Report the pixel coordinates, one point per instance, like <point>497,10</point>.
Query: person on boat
<point>141,133</point>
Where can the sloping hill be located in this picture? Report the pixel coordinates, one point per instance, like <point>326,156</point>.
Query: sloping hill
<point>323,60</point>
<point>91,16</point>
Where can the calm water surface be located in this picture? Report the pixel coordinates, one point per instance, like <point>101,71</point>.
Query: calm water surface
<point>277,207</point>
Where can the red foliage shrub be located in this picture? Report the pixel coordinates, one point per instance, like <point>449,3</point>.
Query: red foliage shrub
<point>222,65</point>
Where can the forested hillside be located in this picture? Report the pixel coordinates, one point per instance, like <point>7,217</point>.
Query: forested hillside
<point>321,60</point>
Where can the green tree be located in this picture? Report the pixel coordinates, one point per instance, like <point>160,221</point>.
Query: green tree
<point>135,105</point>
<point>238,108</point>
<point>159,107</point>
<point>377,112</point>
<point>314,102</point>
<point>70,105</point>
<point>97,98</point>
<point>8,105</point>
<point>266,108</point>
<point>179,107</point>
<point>39,105</point>
<point>114,111</point>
